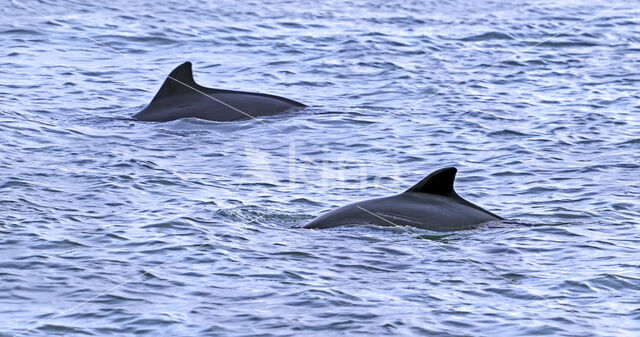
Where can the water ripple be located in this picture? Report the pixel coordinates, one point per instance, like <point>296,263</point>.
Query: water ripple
<point>187,227</point>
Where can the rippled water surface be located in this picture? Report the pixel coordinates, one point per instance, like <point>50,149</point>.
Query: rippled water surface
<point>116,227</point>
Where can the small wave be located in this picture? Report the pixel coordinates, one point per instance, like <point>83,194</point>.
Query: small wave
<point>153,40</point>
<point>561,44</point>
<point>29,32</point>
<point>632,141</point>
<point>488,37</point>
<point>262,215</point>
<point>509,133</point>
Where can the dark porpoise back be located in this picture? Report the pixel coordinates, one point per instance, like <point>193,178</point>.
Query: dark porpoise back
<point>181,97</point>
<point>430,204</point>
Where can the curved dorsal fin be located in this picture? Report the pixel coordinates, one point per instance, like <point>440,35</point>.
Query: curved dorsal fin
<point>180,80</point>
<point>439,182</point>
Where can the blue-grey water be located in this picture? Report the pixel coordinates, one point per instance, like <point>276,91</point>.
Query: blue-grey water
<point>111,226</point>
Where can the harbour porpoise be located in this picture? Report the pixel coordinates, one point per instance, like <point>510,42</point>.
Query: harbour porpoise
<point>431,204</point>
<point>181,97</point>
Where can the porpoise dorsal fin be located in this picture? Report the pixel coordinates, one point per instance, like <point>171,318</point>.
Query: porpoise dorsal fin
<point>439,182</point>
<point>179,81</point>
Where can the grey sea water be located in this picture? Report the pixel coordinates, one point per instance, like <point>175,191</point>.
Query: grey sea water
<point>111,226</point>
